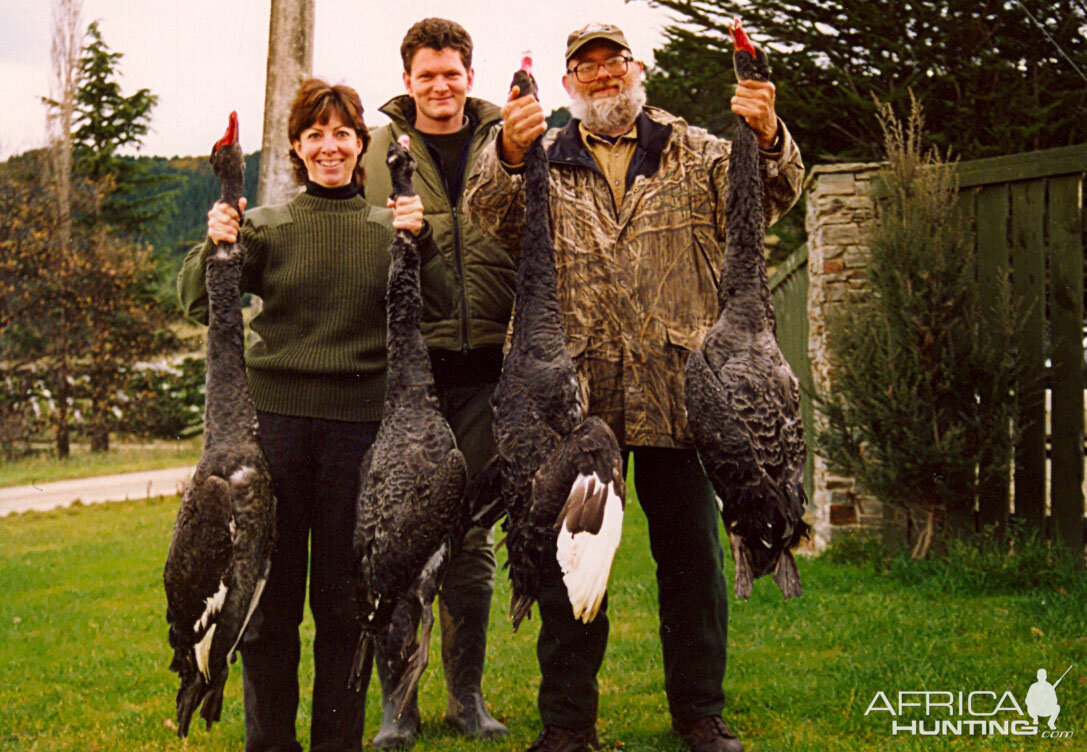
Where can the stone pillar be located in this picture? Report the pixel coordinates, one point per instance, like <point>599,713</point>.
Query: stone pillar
<point>839,207</point>
<point>290,62</point>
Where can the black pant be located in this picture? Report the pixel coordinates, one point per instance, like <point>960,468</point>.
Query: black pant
<point>680,508</point>
<point>468,410</point>
<point>315,475</point>
<point>465,383</point>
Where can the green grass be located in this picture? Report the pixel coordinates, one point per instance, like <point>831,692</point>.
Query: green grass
<point>84,653</point>
<point>82,463</point>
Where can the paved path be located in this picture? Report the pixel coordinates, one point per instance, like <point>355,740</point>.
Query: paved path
<point>92,490</point>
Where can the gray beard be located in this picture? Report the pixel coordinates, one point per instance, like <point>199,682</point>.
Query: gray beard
<point>611,113</point>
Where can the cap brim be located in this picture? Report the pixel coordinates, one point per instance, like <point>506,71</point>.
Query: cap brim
<point>592,38</point>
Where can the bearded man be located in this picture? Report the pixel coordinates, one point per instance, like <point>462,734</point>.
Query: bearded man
<point>638,222</point>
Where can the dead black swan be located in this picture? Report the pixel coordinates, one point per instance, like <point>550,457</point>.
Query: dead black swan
<point>743,404</point>
<point>221,547</point>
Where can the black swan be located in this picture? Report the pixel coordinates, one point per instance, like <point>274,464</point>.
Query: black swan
<point>561,474</point>
<point>410,502</point>
<point>221,547</point>
<point>742,399</point>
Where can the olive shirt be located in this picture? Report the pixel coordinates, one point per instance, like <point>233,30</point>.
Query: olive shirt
<point>320,266</point>
<point>612,156</point>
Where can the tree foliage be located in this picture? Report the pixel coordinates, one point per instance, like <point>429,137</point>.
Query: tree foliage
<point>990,80</point>
<point>75,317</point>
<point>136,201</point>
<point>77,285</point>
<point>129,202</point>
<point>196,189</point>
<point>919,404</point>
<point>559,117</point>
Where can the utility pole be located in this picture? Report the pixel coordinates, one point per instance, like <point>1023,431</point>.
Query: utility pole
<point>290,61</point>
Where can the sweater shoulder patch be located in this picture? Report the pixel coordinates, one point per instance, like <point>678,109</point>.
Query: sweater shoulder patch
<point>380,215</point>
<point>269,216</point>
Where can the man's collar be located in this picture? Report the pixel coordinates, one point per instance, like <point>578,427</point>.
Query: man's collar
<point>587,135</point>
<point>568,148</point>
<point>652,137</point>
<point>401,108</point>
<point>466,123</point>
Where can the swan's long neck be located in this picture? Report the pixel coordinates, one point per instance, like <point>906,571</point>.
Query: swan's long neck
<point>537,314</point>
<point>744,292</point>
<point>408,372</point>
<point>229,413</point>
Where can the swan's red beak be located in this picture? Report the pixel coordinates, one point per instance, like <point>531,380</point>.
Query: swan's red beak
<point>231,136</point>
<point>739,38</point>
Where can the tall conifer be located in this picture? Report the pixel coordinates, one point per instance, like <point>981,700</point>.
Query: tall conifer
<point>920,398</point>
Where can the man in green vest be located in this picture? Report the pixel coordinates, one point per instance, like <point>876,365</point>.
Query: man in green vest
<point>464,325</point>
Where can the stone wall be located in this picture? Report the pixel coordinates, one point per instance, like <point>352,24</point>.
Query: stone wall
<point>840,206</point>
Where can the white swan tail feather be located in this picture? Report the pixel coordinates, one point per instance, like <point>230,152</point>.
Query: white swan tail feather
<point>586,557</point>
<point>202,650</point>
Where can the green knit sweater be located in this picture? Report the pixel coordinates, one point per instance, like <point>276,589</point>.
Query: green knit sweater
<point>320,267</point>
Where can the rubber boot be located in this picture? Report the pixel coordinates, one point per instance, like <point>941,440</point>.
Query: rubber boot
<point>464,614</point>
<point>394,734</point>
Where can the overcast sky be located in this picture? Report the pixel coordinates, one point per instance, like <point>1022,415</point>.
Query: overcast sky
<point>204,58</point>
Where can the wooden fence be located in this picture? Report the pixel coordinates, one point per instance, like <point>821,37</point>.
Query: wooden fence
<point>1027,213</point>
<point>1028,218</point>
<point>789,290</point>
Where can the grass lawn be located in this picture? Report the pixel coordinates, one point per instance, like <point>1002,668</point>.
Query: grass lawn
<point>82,463</point>
<point>84,653</point>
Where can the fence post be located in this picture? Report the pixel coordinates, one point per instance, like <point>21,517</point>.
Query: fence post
<point>1066,274</point>
<point>992,210</point>
<point>1028,284</point>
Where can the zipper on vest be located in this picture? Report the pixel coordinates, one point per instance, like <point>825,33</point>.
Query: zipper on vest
<point>458,256</point>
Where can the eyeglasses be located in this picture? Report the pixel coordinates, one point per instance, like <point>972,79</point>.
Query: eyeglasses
<point>615,66</point>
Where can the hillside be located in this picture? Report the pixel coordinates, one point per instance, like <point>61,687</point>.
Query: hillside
<point>196,189</point>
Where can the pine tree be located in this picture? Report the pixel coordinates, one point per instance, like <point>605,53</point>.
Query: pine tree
<point>132,203</point>
<point>990,80</point>
<point>83,304</point>
<point>920,401</point>
<point>136,201</point>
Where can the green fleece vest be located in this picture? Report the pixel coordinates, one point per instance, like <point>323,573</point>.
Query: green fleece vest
<point>471,307</point>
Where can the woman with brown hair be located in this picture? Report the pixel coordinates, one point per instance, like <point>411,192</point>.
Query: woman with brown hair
<point>319,263</point>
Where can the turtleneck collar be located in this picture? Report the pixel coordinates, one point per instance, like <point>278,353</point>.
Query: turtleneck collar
<point>339,192</point>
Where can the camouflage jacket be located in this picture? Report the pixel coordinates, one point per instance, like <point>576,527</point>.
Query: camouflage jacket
<point>637,283</point>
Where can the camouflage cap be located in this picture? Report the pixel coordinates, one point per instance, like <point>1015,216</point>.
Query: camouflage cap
<point>591,32</point>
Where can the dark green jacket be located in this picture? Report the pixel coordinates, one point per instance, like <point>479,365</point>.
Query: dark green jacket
<point>471,309</point>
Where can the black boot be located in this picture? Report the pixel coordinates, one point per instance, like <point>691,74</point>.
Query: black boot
<point>464,614</point>
<point>394,734</point>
